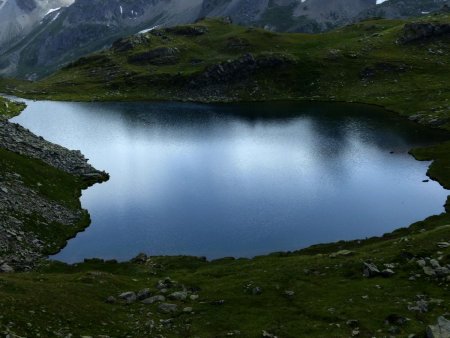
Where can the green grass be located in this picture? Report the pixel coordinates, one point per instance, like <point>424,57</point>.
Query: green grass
<point>71,299</point>
<point>10,109</point>
<point>409,79</point>
<point>52,184</point>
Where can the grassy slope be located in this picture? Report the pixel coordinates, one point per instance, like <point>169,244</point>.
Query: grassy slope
<point>409,79</point>
<point>51,183</point>
<point>9,109</point>
<point>70,299</point>
<point>67,299</point>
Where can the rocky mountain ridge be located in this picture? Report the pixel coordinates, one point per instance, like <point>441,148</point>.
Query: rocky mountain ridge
<point>19,17</point>
<point>64,35</point>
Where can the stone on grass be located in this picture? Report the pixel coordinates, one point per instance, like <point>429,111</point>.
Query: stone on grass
<point>143,294</point>
<point>167,308</point>
<point>370,270</point>
<point>128,297</point>
<point>5,268</point>
<point>154,299</point>
<point>440,330</point>
<point>179,295</point>
<point>341,253</point>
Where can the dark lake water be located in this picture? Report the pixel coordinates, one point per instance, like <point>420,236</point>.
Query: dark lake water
<point>238,180</point>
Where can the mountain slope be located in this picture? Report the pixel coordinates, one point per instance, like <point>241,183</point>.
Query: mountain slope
<point>404,9</point>
<point>87,26</point>
<point>402,65</point>
<point>91,25</point>
<point>288,15</point>
<point>20,17</point>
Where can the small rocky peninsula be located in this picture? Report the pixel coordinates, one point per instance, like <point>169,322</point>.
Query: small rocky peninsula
<point>22,202</point>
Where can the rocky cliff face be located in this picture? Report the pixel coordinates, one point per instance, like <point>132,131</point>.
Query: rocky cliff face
<point>19,17</point>
<point>87,26</point>
<point>54,38</point>
<point>404,8</point>
<point>288,15</point>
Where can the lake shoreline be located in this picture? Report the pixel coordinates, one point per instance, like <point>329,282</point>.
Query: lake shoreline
<point>96,286</point>
<point>93,176</point>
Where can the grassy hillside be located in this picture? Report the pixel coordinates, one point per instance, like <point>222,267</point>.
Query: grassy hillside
<point>209,61</point>
<point>9,109</point>
<point>303,294</point>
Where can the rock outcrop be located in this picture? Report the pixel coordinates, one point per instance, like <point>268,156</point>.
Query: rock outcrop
<point>418,31</point>
<point>24,211</point>
<point>239,69</point>
<point>17,139</point>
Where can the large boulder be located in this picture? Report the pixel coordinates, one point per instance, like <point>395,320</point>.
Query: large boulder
<point>440,330</point>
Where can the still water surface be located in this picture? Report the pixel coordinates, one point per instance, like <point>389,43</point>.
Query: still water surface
<point>238,180</point>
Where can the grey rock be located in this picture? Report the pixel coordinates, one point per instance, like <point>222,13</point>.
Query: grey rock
<point>165,283</point>
<point>440,330</point>
<point>140,259</point>
<point>370,270</point>
<point>193,297</point>
<point>257,290</point>
<point>421,262</point>
<point>179,295</point>
<point>128,297</point>
<point>443,245</point>
<point>154,299</point>
<point>167,308</point>
<point>342,253</point>
<point>289,293</point>
<point>429,271</point>
<point>434,263</point>
<point>5,268</point>
<point>420,306</point>
<point>143,294</point>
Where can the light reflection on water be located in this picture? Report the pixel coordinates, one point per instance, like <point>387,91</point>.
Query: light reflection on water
<point>238,180</point>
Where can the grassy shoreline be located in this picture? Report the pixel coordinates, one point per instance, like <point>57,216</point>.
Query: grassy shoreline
<point>79,291</point>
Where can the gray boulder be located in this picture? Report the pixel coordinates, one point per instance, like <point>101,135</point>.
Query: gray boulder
<point>179,295</point>
<point>154,299</point>
<point>143,294</point>
<point>370,270</point>
<point>167,308</point>
<point>440,330</point>
<point>128,297</point>
<point>5,268</point>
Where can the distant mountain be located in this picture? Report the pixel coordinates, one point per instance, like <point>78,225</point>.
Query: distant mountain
<point>399,9</point>
<point>20,17</point>
<point>288,15</point>
<point>38,37</point>
<point>86,26</point>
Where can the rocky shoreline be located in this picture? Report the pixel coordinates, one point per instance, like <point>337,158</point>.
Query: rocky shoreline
<point>22,204</point>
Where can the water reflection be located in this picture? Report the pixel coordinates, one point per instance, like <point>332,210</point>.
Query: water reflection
<point>239,180</point>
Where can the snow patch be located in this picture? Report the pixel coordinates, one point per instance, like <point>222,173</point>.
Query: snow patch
<point>51,10</point>
<point>148,30</point>
<point>56,17</point>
